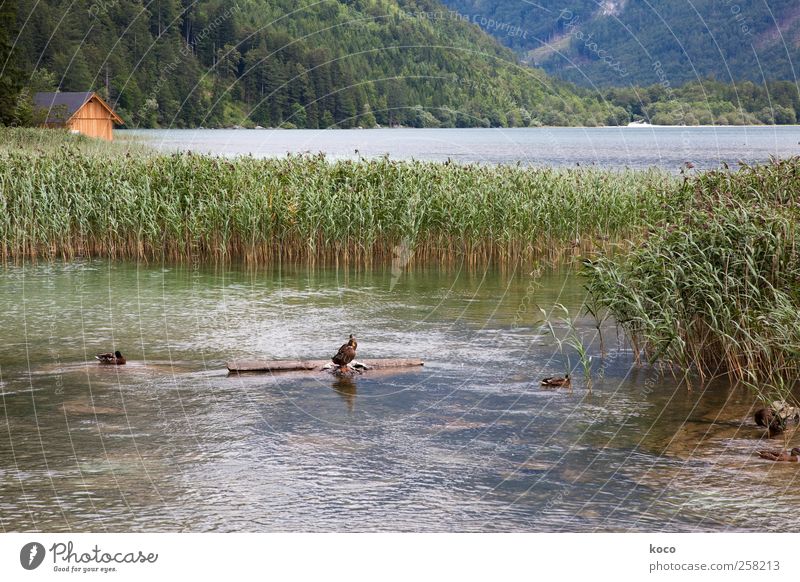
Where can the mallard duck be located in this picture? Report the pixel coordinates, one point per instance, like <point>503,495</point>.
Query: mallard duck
<point>346,353</point>
<point>556,382</point>
<point>108,358</point>
<point>770,420</point>
<point>763,416</point>
<point>792,456</point>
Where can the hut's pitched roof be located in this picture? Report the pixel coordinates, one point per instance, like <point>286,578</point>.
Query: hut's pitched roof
<point>62,106</point>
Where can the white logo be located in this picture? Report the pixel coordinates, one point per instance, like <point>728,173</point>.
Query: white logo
<point>31,555</point>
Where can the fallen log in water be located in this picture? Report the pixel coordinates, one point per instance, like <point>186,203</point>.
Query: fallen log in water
<point>247,366</point>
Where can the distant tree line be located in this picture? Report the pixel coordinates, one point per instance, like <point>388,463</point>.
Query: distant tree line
<point>711,102</point>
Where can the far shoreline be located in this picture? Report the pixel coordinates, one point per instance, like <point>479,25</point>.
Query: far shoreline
<point>477,129</point>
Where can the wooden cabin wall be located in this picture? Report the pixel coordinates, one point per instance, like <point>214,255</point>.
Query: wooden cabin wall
<point>93,120</point>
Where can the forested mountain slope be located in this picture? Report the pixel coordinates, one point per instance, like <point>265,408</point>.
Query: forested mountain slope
<point>181,63</point>
<point>624,42</point>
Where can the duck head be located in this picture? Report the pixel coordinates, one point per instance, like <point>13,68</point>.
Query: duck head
<point>764,417</point>
<point>118,354</point>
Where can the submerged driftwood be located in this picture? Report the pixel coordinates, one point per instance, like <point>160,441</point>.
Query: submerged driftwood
<point>242,366</point>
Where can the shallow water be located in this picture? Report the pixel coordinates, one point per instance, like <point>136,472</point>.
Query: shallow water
<point>469,442</point>
<point>606,147</point>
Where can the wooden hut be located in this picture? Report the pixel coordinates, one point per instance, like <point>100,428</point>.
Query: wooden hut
<point>84,113</point>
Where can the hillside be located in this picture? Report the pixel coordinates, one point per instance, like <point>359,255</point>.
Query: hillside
<point>617,42</point>
<point>186,63</point>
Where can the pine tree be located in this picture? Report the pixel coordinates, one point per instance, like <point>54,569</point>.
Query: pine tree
<point>10,78</point>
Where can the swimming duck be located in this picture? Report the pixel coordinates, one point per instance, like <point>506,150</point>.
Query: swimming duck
<point>346,354</point>
<point>792,456</point>
<point>764,416</point>
<point>556,382</point>
<point>771,420</point>
<point>109,358</point>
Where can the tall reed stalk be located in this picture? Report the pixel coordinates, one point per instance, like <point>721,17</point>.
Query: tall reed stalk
<point>715,288</point>
<point>66,198</point>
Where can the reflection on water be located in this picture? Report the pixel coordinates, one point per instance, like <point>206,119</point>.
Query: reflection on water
<point>469,442</point>
<point>346,388</point>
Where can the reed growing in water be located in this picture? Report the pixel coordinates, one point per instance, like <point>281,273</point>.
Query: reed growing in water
<point>716,285</point>
<point>65,198</point>
<point>709,276</point>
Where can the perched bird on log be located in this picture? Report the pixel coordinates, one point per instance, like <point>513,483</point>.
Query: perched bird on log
<point>557,382</point>
<point>792,456</point>
<point>115,359</point>
<point>346,354</point>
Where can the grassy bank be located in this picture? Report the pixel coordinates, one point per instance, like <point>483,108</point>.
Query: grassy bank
<point>63,197</point>
<point>716,286</point>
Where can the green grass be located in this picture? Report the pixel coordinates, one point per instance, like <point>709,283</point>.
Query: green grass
<point>63,197</point>
<point>716,286</point>
<point>48,141</point>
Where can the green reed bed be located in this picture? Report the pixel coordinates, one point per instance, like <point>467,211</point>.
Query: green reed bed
<point>66,199</point>
<point>716,285</point>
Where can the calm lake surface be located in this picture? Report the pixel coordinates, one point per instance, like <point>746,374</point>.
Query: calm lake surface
<point>469,442</point>
<point>608,147</point>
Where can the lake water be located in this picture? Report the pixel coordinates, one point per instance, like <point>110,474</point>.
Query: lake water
<point>469,442</point>
<point>608,147</point>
